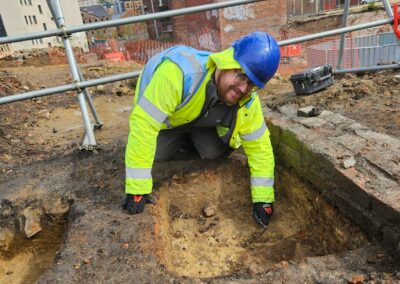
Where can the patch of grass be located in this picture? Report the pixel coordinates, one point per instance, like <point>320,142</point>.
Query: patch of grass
<point>372,7</point>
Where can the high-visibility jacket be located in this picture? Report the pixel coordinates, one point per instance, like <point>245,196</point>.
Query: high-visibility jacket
<point>171,93</point>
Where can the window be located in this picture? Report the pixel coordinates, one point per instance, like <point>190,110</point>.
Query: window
<point>33,42</point>
<point>45,26</point>
<point>41,40</point>
<point>34,19</point>
<point>20,1</point>
<point>25,2</point>
<point>49,44</point>
<point>40,9</point>
<point>26,20</point>
<point>30,2</point>
<point>30,20</point>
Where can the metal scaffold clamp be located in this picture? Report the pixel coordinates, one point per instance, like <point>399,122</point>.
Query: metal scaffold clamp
<point>65,33</point>
<point>78,86</point>
<point>396,28</point>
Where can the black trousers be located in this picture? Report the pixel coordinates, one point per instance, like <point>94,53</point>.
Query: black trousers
<point>177,144</point>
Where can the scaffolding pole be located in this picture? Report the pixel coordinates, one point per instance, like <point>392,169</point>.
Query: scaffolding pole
<point>335,32</point>
<point>68,87</point>
<point>367,69</point>
<point>114,78</point>
<point>388,8</point>
<point>96,117</point>
<point>80,84</point>
<point>342,36</point>
<point>89,141</point>
<point>124,21</point>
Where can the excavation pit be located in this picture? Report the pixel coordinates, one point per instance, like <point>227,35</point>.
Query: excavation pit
<point>205,226</point>
<point>24,260</point>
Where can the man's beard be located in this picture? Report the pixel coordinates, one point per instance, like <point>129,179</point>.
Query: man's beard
<point>222,92</point>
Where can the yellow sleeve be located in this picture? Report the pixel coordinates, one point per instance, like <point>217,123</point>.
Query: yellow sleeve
<point>257,146</point>
<point>160,98</point>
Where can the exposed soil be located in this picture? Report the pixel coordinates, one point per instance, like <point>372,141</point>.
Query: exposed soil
<point>372,99</point>
<point>201,228</point>
<point>40,122</point>
<point>25,260</point>
<point>201,223</point>
<point>205,231</point>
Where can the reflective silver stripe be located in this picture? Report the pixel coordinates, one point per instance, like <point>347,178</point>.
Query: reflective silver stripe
<point>168,123</point>
<point>138,173</point>
<point>152,110</point>
<point>197,78</point>
<point>255,134</point>
<point>261,181</point>
<point>196,81</point>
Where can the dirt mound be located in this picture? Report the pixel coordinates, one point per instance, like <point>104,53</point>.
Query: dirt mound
<point>370,98</point>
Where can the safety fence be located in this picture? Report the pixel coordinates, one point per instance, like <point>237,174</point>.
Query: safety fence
<point>80,84</point>
<point>302,7</point>
<point>361,51</point>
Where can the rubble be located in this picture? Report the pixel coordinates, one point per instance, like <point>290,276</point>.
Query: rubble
<point>348,162</point>
<point>308,111</point>
<point>209,210</point>
<point>30,221</point>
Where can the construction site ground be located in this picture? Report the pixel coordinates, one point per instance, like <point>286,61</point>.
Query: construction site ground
<point>200,230</point>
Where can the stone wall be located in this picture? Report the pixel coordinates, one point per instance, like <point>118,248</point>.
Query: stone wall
<point>355,169</point>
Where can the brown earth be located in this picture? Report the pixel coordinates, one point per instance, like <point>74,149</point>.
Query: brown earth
<point>201,228</point>
<point>372,99</point>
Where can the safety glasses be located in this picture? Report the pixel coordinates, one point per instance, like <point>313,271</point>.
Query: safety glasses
<point>241,79</point>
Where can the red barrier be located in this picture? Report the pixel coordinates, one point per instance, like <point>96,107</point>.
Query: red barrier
<point>396,29</point>
<point>291,50</point>
<point>114,56</point>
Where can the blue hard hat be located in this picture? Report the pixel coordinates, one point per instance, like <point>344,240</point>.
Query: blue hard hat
<point>258,54</point>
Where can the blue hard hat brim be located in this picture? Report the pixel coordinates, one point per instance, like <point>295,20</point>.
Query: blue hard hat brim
<point>251,76</point>
<point>258,54</point>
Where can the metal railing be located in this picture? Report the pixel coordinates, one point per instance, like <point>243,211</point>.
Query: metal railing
<point>81,85</point>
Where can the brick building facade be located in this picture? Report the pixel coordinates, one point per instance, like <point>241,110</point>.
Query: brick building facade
<point>216,29</point>
<point>265,16</point>
<point>94,14</point>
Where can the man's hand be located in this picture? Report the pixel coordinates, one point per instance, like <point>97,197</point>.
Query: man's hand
<point>262,212</point>
<point>134,204</point>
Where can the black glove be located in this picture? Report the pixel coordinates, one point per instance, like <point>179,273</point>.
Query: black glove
<point>262,212</point>
<point>134,204</point>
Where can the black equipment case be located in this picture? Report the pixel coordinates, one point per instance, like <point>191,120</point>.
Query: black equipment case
<point>312,80</point>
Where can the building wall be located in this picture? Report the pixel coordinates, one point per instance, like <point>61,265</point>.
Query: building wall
<point>219,28</point>
<point>27,16</point>
<point>85,3</point>
<point>99,34</point>
<point>187,26</point>
<point>265,16</point>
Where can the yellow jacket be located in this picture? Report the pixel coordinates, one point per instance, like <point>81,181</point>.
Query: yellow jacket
<point>160,99</point>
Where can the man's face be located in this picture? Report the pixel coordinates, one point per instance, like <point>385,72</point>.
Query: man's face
<point>232,85</point>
